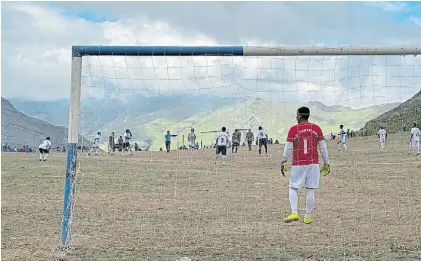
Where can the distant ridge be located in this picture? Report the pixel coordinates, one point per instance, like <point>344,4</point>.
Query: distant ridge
<point>393,120</point>
<point>20,129</point>
<point>149,118</point>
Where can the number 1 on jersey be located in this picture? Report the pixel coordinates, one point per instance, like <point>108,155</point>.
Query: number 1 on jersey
<point>305,142</point>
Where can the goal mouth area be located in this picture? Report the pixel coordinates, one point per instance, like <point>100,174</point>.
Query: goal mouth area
<point>269,81</point>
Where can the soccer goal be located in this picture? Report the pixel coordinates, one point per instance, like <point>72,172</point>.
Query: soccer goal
<point>207,139</point>
<point>164,206</point>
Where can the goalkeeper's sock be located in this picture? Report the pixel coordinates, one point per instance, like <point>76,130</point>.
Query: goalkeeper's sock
<point>40,156</point>
<point>309,201</point>
<point>293,199</point>
<point>45,156</point>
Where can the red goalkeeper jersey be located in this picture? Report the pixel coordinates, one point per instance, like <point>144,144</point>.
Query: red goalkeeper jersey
<point>305,138</point>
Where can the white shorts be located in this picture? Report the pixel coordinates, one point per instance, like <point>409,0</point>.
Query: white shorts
<point>305,176</point>
<point>415,144</point>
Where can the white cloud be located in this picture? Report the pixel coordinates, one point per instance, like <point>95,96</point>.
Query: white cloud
<point>37,66</point>
<point>390,6</point>
<point>416,20</point>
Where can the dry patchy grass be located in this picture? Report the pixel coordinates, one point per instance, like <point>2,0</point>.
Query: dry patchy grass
<point>154,206</point>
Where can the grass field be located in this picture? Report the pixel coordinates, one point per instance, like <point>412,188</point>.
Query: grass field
<point>154,206</point>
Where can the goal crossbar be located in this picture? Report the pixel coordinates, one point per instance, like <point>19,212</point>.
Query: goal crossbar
<point>79,51</point>
<point>76,75</point>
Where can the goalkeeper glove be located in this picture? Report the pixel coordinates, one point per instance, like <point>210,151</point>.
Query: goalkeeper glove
<point>283,167</point>
<point>325,169</point>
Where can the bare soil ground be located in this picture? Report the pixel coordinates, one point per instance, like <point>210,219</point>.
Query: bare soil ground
<point>154,206</point>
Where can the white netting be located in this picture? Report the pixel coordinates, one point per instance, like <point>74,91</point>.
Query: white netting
<point>163,206</point>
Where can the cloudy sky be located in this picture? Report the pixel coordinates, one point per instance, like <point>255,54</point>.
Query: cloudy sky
<point>37,37</point>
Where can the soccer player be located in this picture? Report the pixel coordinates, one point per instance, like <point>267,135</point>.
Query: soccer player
<point>192,140</point>
<point>44,149</point>
<point>126,144</point>
<point>263,140</point>
<point>120,142</point>
<point>249,138</point>
<point>236,139</point>
<point>342,135</point>
<point>302,141</point>
<point>382,134</point>
<point>95,145</point>
<point>111,144</point>
<point>168,137</point>
<point>222,141</point>
<point>414,140</point>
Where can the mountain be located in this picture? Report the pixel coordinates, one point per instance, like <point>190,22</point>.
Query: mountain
<point>275,117</point>
<point>393,120</point>
<point>51,111</point>
<point>20,129</point>
<point>101,111</point>
<point>150,117</point>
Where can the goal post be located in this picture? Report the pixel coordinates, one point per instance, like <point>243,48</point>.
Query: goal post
<point>243,135</point>
<point>78,52</point>
<point>201,136</point>
<point>71,161</point>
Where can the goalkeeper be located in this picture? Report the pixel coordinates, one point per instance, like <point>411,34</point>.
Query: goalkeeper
<point>302,142</point>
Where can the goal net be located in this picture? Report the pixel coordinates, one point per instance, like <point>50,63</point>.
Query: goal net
<point>159,205</point>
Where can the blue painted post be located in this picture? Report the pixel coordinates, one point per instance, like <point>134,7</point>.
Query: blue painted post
<point>71,166</point>
<point>71,163</point>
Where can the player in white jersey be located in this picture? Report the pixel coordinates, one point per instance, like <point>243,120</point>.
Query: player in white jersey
<point>192,140</point>
<point>222,141</point>
<point>342,138</point>
<point>44,149</point>
<point>263,140</point>
<point>382,134</point>
<point>126,143</point>
<point>414,140</point>
<point>95,145</point>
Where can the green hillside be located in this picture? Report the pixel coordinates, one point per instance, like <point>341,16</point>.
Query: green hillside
<point>275,117</point>
<point>150,118</point>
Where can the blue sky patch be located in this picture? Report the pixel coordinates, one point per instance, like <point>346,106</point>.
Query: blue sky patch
<point>402,11</point>
<point>90,15</point>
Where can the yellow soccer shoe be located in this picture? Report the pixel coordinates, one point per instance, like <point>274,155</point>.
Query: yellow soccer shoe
<point>307,219</point>
<point>292,217</point>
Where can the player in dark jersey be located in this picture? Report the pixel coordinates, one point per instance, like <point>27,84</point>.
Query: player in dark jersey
<point>249,138</point>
